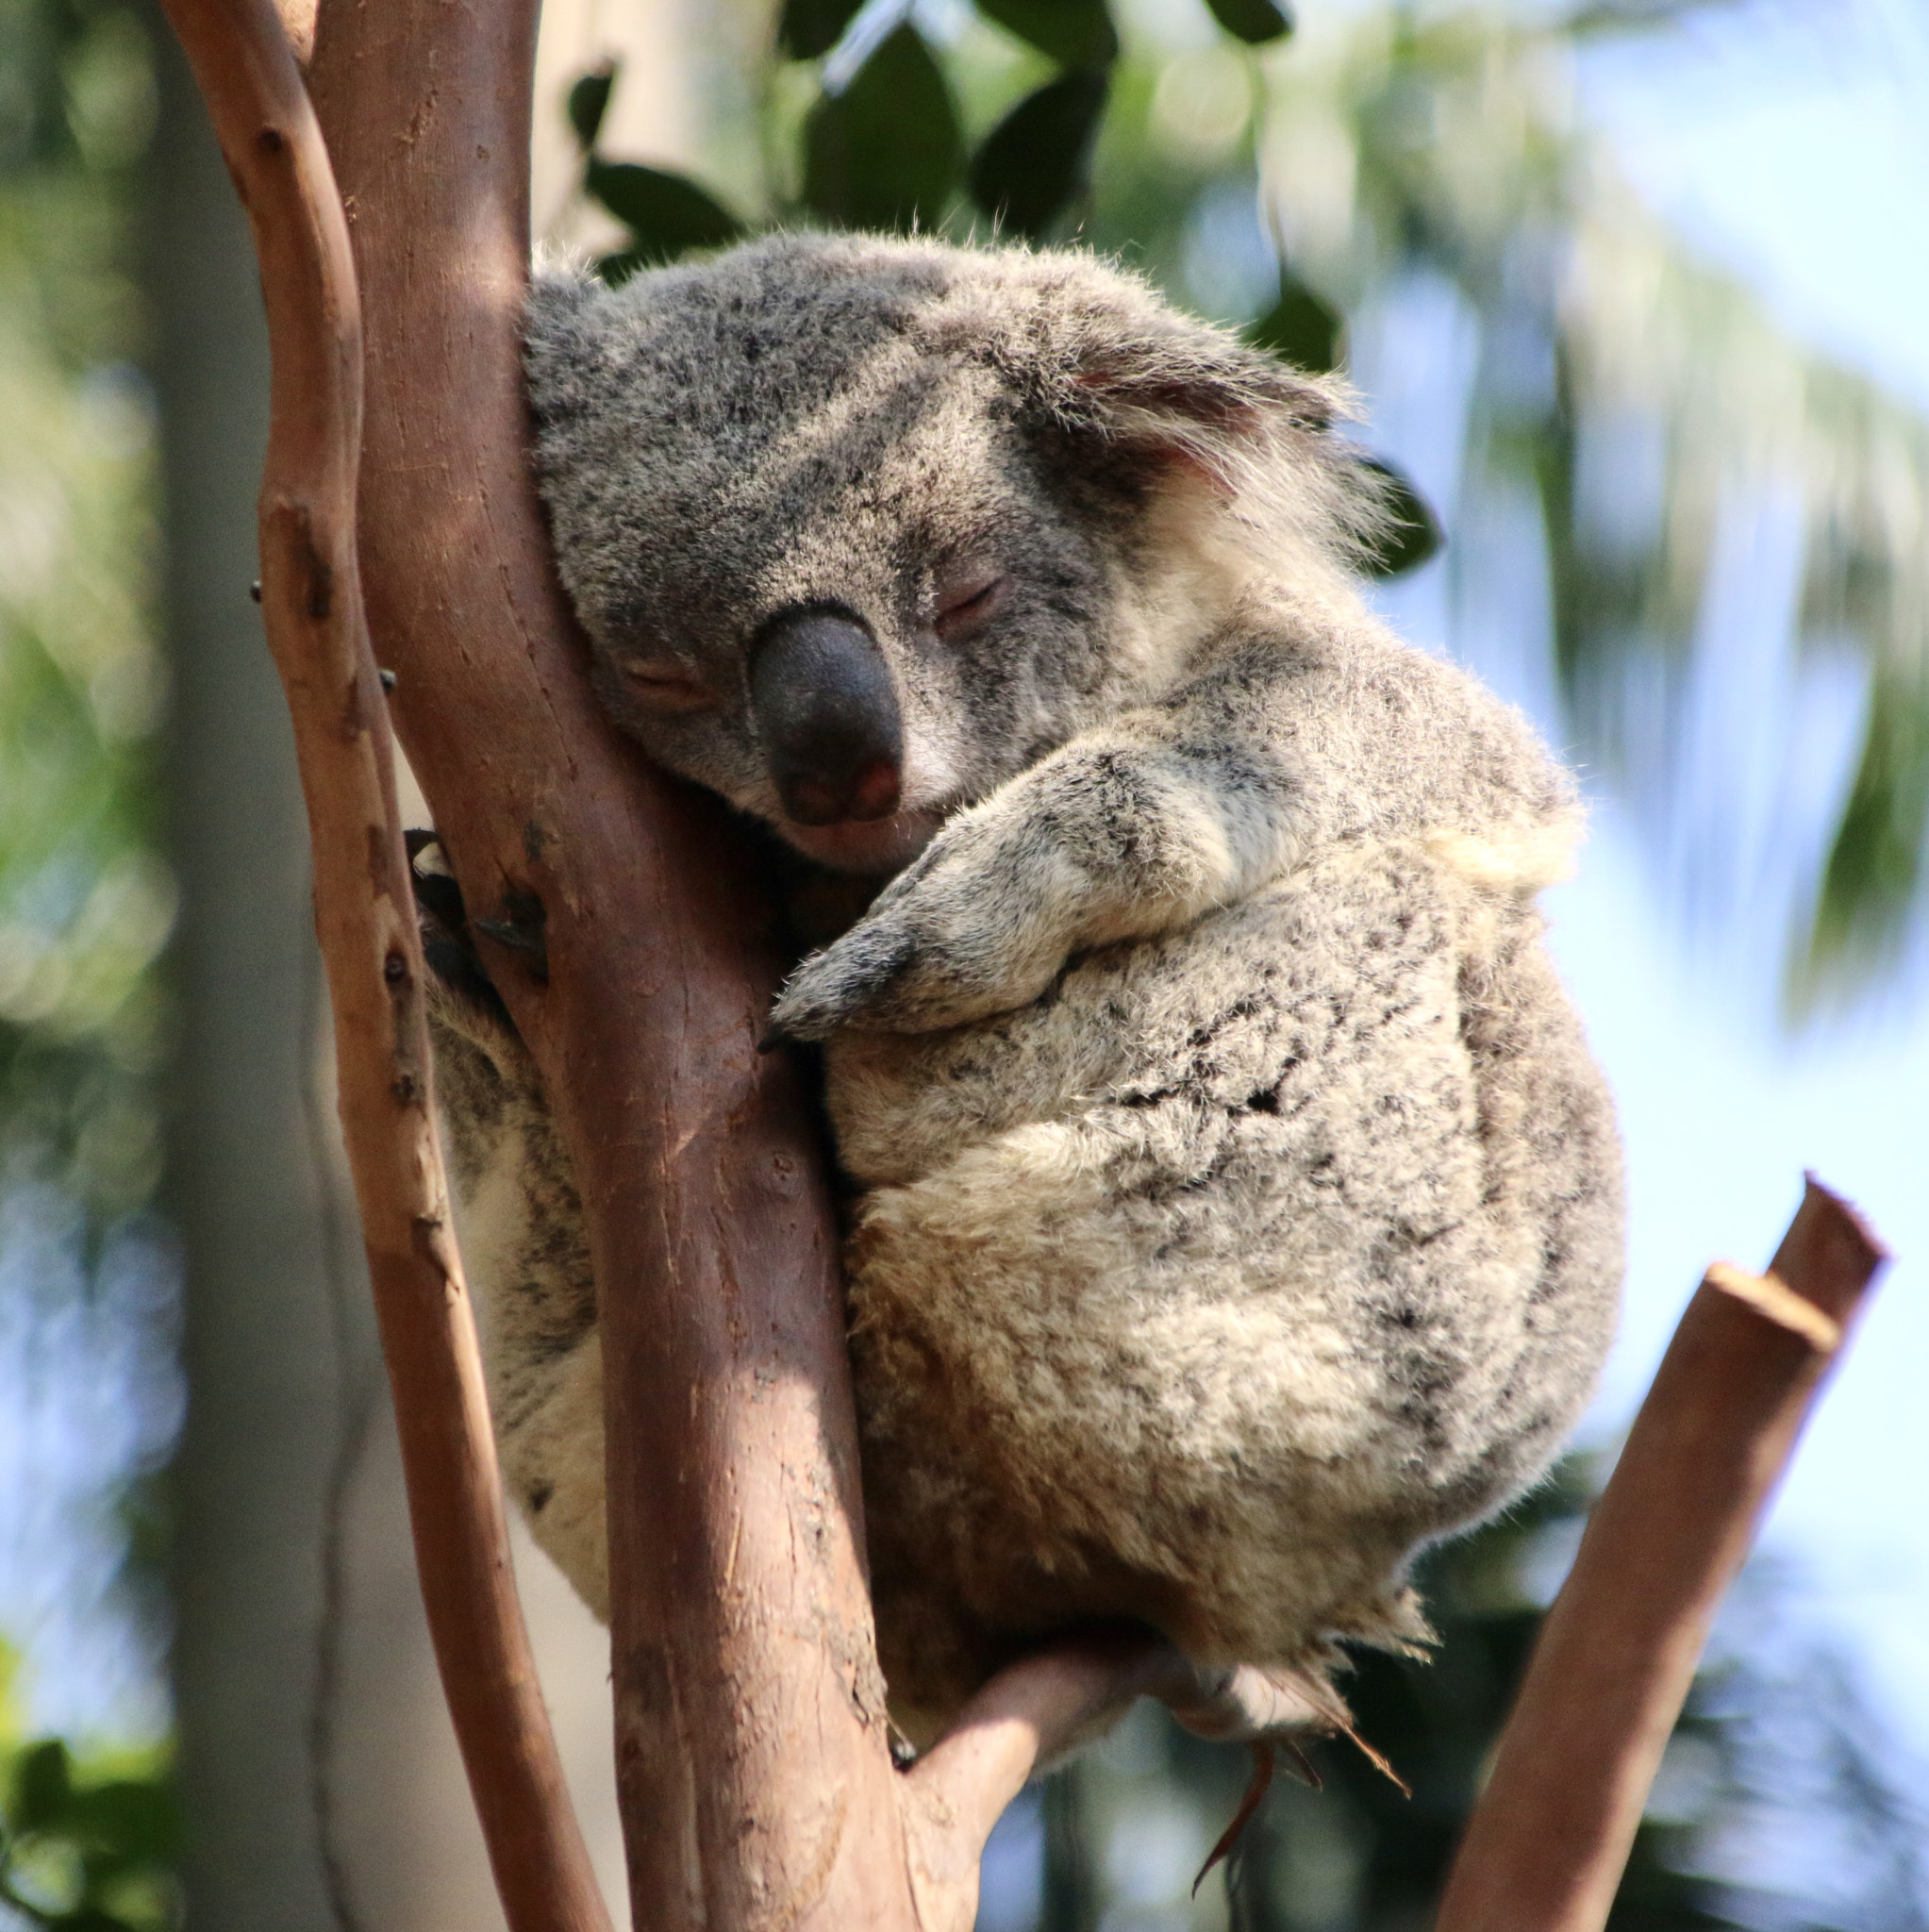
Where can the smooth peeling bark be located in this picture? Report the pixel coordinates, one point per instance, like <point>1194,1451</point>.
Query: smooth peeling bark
<point>1549,1840</point>
<point>365,922</point>
<point>751,1753</point>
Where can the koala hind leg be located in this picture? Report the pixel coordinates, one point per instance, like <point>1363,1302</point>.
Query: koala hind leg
<point>519,1218</point>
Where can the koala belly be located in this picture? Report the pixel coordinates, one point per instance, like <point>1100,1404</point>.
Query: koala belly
<point>1208,1288</point>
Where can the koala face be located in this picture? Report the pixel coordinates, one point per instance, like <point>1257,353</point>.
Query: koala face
<point>860,528</point>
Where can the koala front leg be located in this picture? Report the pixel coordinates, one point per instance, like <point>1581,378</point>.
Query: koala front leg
<point>1130,830</point>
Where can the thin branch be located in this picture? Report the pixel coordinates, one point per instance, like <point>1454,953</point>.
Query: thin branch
<point>1550,1837</point>
<point>364,918</point>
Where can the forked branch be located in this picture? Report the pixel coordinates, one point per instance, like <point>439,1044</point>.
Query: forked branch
<point>365,916</point>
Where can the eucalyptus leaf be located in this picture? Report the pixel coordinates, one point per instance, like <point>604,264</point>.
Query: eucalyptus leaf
<point>1075,33</point>
<point>1874,870</point>
<point>1256,22</point>
<point>665,213</point>
<point>1413,534</point>
<point>1300,328</point>
<point>1038,160</point>
<point>807,29</point>
<point>42,1794</point>
<point>887,152</point>
<point>130,1822</point>
<point>588,102</point>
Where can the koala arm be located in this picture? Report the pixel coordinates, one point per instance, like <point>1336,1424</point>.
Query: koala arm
<point>1283,741</point>
<point>1134,828</point>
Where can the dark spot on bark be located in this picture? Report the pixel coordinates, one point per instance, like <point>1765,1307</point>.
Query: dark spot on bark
<point>270,141</point>
<point>521,930</point>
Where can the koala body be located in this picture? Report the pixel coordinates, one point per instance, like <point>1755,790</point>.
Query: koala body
<point>1237,1206</point>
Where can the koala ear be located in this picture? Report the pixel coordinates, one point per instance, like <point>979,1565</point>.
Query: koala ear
<point>1141,376</point>
<point>1190,382</point>
<point>1097,358</point>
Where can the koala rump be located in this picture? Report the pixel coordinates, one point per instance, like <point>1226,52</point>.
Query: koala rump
<point>1237,1206</point>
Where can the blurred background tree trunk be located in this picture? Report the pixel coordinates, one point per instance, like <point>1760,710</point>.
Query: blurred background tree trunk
<point>265,1374</point>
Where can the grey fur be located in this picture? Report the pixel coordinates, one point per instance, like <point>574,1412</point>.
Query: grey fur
<point>1239,1206</point>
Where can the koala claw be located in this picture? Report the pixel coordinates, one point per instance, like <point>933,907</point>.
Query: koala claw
<point>848,984</point>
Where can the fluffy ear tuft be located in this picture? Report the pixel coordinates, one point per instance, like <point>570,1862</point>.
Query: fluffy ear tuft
<point>1107,355</point>
<point>553,346</point>
<point>1155,389</point>
<point>1098,355</point>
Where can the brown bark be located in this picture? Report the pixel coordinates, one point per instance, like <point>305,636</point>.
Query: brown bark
<point>365,916</point>
<point>1547,1844</point>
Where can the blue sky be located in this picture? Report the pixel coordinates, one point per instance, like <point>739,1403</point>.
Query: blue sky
<point>1799,157</point>
<point>1793,147</point>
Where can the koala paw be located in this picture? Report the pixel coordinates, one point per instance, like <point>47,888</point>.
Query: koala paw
<point>979,925</point>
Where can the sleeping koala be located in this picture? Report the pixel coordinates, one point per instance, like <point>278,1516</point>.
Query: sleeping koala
<point>1235,1204</point>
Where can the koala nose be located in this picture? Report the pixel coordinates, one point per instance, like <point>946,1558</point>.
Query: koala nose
<point>827,715</point>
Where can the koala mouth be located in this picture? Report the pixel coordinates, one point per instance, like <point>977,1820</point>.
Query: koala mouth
<point>877,846</point>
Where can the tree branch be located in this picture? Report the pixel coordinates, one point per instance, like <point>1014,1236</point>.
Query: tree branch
<point>365,920</point>
<point>1549,1839</point>
<point>751,1749</point>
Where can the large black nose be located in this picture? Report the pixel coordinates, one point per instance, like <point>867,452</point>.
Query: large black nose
<point>827,716</point>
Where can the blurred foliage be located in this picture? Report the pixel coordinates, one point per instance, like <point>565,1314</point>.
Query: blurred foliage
<point>85,901</point>
<point>85,905</point>
<point>1118,1835</point>
<point>1637,399</point>
<point>1629,397</point>
<point>87,1841</point>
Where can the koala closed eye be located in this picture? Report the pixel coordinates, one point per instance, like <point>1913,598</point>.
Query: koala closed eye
<point>664,686</point>
<point>968,600</point>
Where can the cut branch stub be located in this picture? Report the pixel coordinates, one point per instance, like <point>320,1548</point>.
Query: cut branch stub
<point>311,602</point>
<point>1549,1839</point>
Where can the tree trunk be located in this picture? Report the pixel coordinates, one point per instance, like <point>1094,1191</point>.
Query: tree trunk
<point>751,1747</point>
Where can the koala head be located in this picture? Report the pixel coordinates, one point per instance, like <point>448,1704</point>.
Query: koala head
<point>859,529</point>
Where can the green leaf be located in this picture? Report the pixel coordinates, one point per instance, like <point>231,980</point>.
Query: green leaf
<point>131,1819</point>
<point>1875,864</point>
<point>1299,328</point>
<point>807,29</point>
<point>1256,22</point>
<point>1075,33</point>
<point>887,150</point>
<point>666,213</point>
<point>1037,160</point>
<point>1413,532</point>
<point>43,1787</point>
<point>588,102</point>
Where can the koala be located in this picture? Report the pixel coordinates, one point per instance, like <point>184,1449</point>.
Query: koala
<point>1234,1208</point>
